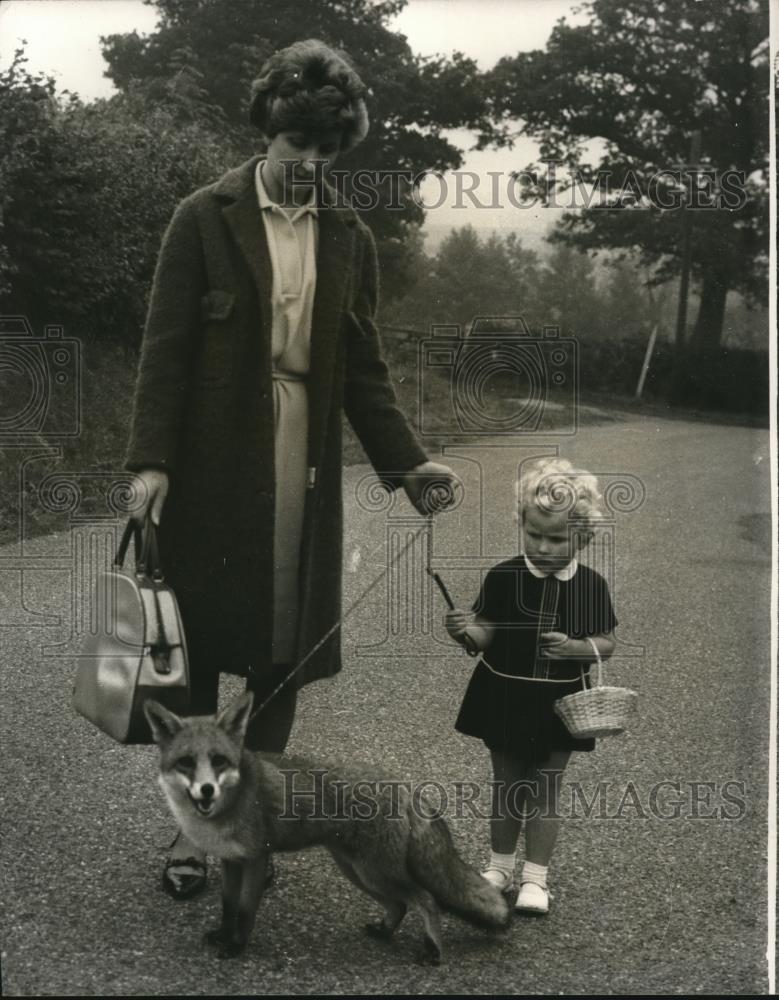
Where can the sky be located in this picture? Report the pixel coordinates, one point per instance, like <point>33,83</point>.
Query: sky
<point>63,40</point>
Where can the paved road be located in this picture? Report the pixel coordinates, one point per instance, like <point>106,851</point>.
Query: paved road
<point>642,904</point>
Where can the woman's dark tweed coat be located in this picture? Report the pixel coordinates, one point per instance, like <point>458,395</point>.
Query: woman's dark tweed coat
<point>204,413</point>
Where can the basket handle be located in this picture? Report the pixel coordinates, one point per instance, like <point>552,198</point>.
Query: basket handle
<point>598,659</point>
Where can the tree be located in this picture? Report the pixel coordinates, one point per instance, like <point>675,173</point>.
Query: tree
<point>567,295</point>
<point>626,308</point>
<point>80,230</point>
<point>641,77</point>
<point>525,277</point>
<point>468,278</point>
<point>412,100</point>
<point>25,110</point>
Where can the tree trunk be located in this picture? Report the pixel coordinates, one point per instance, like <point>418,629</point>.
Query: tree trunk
<point>711,314</point>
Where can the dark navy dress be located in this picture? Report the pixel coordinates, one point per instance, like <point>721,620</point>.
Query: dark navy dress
<point>516,715</point>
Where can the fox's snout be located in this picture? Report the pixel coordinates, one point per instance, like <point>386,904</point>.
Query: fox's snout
<point>204,792</point>
<point>203,795</point>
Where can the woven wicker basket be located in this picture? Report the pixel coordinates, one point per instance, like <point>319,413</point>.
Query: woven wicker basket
<point>597,711</point>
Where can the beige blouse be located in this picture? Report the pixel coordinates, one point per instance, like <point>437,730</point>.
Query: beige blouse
<point>292,237</point>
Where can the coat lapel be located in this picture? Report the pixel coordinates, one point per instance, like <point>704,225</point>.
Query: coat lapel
<point>245,221</point>
<point>334,267</point>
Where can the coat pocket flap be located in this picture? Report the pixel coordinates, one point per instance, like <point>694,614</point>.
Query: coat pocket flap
<point>217,305</point>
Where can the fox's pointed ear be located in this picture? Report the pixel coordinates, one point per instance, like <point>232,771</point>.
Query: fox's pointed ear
<point>235,717</point>
<point>164,724</point>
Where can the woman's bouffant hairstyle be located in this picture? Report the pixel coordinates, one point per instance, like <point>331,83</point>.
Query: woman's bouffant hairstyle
<point>553,485</point>
<point>310,88</point>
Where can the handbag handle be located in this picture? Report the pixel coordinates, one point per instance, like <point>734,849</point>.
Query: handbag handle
<point>150,567</point>
<point>132,531</point>
<point>150,554</point>
<point>147,563</point>
<point>147,551</point>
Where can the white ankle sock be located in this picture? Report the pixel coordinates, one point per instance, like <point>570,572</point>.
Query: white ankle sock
<point>534,873</point>
<point>503,862</point>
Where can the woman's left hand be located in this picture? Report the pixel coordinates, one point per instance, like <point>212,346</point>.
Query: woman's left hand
<point>430,487</point>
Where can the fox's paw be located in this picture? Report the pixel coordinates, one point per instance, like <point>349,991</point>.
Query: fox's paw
<point>217,937</point>
<point>432,954</point>
<point>378,929</point>
<point>230,949</point>
<point>226,947</point>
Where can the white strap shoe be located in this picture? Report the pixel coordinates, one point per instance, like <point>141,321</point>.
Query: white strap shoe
<point>532,898</point>
<point>498,878</point>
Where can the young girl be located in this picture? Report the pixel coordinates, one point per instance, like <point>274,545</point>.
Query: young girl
<point>533,619</point>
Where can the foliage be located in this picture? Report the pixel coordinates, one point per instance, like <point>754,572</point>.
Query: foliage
<point>467,277</point>
<point>609,298</point>
<point>87,193</point>
<point>497,276</point>
<point>25,111</point>
<point>641,77</point>
<point>412,99</point>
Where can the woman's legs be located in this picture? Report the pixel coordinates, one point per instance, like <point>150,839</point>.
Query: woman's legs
<point>204,693</point>
<point>269,730</point>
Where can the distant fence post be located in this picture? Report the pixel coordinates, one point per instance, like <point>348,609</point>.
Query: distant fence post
<point>647,358</point>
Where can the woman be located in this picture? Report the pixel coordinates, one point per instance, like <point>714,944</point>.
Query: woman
<point>260,333</point>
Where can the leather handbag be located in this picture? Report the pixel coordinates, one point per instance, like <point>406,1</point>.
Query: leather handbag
<point>137,650</point>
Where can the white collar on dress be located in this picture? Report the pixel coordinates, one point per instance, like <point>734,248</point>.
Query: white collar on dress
<point>265,200</point>
<point>566,573</point>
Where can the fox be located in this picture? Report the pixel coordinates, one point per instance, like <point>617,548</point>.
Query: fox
<point>241,807</point>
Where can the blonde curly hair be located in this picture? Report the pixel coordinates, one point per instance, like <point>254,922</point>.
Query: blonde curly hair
<point>554,484</point>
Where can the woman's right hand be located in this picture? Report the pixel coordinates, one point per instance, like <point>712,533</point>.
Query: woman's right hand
<point>457,622</point>
<point>152,486</point>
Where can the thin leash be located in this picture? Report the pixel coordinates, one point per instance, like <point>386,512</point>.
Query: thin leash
<point>350,610</point>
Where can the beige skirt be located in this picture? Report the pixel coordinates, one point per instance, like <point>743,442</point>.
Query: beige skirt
<point>290,398</point>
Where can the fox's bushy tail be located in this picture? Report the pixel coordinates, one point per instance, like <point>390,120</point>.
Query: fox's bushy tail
<point>436,865</point>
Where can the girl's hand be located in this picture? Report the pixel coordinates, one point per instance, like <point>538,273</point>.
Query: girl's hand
<point>152,486</point>
<point>557,646</point>
<point>457,622</point>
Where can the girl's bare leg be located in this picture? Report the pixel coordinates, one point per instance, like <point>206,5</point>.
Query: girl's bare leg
<point>542,804</point>
<point>508,795</point>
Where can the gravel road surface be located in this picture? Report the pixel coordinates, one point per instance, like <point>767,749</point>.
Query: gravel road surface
<point>662,889</point>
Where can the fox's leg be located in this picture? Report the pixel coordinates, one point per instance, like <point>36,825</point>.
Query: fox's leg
<point>231,891</point>
<point>431,919</point>
<point>394,909</point>
<point>252,887</point>
<point>244,882</point>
